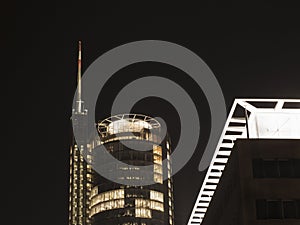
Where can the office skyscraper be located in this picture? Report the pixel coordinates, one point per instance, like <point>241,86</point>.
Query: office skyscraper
<point>96,200</point>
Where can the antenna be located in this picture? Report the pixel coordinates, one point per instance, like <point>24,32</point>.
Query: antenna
<point>79,101</point>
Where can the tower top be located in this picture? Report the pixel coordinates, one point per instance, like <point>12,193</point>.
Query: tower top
<point>79,103</point>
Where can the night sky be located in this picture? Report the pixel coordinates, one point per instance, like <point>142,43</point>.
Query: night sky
<point>251,54</point>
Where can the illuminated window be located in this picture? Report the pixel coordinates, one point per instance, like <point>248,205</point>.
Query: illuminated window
<point>142,203</point>
<point>157,196</point>
<point>89,177</point>
<point>143,213</point>
<point>157,160</point>
<point>108,205</point>
<point>157,150</point>
<point>89,168</point>
<point>89,158</point>
<point>157,169</point>
<point>158,178</point>
<point>157,206</point>
<point>169,184</point>
<point>149,204</point>
<point>107,196</point>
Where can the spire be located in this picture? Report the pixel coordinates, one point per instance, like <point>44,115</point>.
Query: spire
<point>79,101</point>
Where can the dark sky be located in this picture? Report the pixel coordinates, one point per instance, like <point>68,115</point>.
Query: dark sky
<point>253,54</point>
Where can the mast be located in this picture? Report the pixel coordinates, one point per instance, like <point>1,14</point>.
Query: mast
<point>79,101</point>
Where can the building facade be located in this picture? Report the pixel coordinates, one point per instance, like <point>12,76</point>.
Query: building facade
<point>260,185</point>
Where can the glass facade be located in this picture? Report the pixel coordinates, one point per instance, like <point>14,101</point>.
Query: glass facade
<point>115,203</point>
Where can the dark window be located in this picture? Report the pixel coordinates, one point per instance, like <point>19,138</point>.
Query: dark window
<point>257,167</point>
<point>275,168</point>
<point>296,167</point>
<point>274,209</point>
<point>289,209</point>
<point>261,209</point>
<point>298,208</point>
<point>285,168</point>
<point>121,146</point>
<point>270,168</point>
<point>277,209</point>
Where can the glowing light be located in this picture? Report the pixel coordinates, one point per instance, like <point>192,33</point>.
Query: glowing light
<point>125,125</point>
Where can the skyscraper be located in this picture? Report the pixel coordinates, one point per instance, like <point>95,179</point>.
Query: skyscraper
<point>80,169</point>
<point>124,136</point>
<point>136,141</point>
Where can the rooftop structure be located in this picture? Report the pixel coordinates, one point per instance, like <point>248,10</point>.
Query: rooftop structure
<point>248,119</point>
